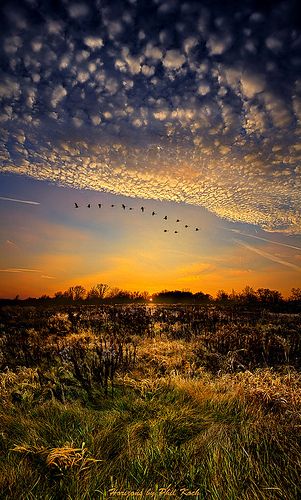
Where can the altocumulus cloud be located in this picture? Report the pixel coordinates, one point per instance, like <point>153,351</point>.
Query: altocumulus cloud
<point>148,99</point>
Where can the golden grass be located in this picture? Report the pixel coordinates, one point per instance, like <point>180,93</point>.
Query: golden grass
<point>163,355</point>
<point>25,380</point>
<point>66,457</point>
<point>269,387</point>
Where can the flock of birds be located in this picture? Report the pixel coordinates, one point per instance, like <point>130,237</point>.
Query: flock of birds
<point>124,207</point>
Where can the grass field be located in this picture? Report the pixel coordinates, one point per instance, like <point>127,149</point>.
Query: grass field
<point>161,402</point>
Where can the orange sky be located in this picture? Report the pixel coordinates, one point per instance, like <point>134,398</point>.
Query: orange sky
<point>51,246</point>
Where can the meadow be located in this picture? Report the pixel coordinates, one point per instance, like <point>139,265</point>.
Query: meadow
<point>149,401</point>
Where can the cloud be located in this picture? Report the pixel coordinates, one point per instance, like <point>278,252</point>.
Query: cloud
<point>9,242</point>
<point>273,43</point>
<point>36,45</point>
<point>9,88</point>
<point>195,106</point>
<point>252,84</point>
<point>12,44</point>
<point>96,120</point>
<point>262,239</point>
<point>217,44</point>
<point>268,256</point>
<point>58,94</point>
<point>133,63</point>
<point>190,43</point>
<point>115,29</point>
<point>173,59</point>
<point>19,270</point>
<point>148,70</point>
<point>93,42</point>
<point>78,10</point>
<point>256,120</point>
<point>20,201</point>
<point>153,52</point>
<point>54,27</point>
<point>278,110</point>
<point>203,88</point>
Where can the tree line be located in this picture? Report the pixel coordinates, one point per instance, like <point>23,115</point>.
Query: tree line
<point>103,293</point>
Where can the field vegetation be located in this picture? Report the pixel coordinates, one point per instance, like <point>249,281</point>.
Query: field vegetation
<point>197,401</point>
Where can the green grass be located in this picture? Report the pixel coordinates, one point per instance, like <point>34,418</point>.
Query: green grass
<point>225,448</point>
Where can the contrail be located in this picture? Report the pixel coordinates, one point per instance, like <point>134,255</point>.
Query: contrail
<point>263,239</point>
<point>20,201</point>
<point>268,255</point>
<point>19,270</point>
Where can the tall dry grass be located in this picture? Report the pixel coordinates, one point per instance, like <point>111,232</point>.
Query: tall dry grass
<point>181,412</point>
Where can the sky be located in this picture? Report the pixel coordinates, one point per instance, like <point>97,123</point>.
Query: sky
<point>189,109</point>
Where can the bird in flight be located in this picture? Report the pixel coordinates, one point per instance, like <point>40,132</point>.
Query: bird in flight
<point>142,210</point>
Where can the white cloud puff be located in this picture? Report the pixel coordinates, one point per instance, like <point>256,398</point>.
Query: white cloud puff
<point>95,119</point>
<point>273,43</point>
<point>9,88</point>
<point>93,42</point>
<point>189,43</point>
<point>173,59</point>
<point>252,84</point>
<point>36,45</point>
<point>12,44</point>
<point>203,88</point>
<point>153,52</point>
<point>54,27</point>
<point>133,62</point>
<point>58,94</point>
<point>217,44</point>
<point>148,70</point>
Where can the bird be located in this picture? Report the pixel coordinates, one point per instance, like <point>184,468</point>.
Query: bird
<point>142,209</point>
<point>154,213</point>
<point>165,218</point>
<point>76,205</point>
<point>197,229</point>
<point>123,206</point>
<point>178,220</point>
<point>99,205</point>
<point>186,225</point>
<point>176,232</point>
<point>130,208</point>
<point>89,205</point>
<point>165,230</point>
<point>112,206</point>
